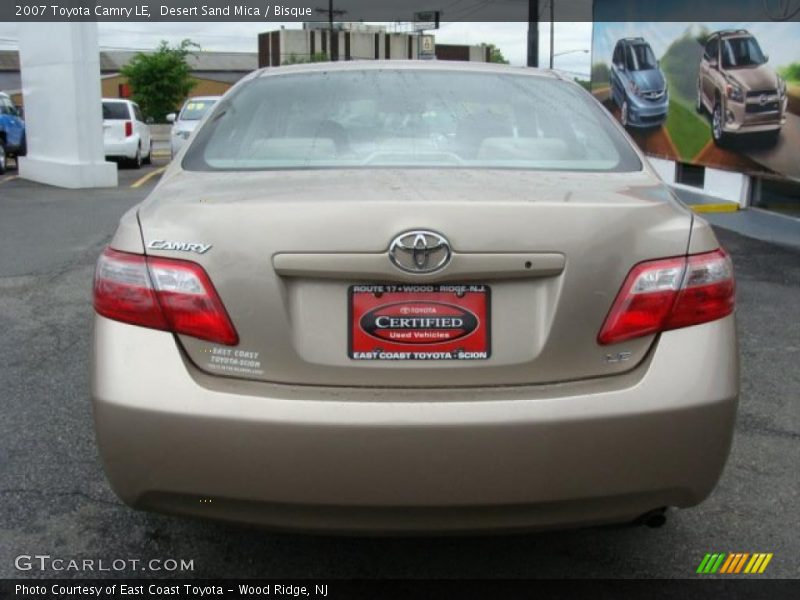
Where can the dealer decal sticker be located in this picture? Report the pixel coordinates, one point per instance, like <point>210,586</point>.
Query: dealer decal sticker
<point>419,322</point>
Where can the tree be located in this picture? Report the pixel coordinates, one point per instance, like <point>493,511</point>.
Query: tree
<point>160,80</point>
<point>495,54</point>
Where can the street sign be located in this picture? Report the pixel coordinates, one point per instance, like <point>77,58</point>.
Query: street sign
<point>426,46</point>
<point>426,20</point>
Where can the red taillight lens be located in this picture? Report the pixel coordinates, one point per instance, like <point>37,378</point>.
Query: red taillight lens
<point>122,290</point>
<point>161,293</point>
<point>667,294</point>
<point>128,128</point>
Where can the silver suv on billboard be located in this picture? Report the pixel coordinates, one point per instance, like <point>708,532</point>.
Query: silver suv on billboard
<point>638,85</point>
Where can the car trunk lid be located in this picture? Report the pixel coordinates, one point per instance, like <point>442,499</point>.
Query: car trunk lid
<point>284,248</point>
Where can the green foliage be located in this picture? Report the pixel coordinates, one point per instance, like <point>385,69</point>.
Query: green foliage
<point>689,131</point>
<point>791,72</point>
<point>495,54</point>
<point>681,63</point>
<point>295,59</point>
<point>601,75</point>
<point>584,83</point>
<point>160,80</point>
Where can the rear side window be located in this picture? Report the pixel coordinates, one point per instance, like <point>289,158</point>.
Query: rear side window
<point>410,118</point>
<point>138,113</point>
<point>116,111</point>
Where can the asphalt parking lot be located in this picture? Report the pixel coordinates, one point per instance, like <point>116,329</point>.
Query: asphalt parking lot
<point>55,499</point>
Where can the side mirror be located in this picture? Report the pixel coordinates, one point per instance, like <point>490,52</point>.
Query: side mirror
<point>766,57</point>
<point>171,117</point>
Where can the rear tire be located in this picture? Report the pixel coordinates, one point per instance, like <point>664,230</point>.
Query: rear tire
<point>136,162</point>
<point>3,157</point>
<point>148,160</point>
<point>623,113</point>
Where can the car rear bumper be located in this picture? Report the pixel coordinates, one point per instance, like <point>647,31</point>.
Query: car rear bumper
<point>357,459</point>
<point>122,149</point>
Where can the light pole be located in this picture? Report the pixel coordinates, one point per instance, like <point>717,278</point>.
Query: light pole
<point>574,51</point>
<point>552,30</point>
<point>533,33</point>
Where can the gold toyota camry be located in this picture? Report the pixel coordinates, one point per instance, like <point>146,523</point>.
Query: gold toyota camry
<point>413,296</point>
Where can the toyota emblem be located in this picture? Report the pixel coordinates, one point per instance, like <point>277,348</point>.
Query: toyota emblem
<point>419,251</point>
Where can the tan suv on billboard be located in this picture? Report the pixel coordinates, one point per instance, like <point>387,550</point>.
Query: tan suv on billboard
<point>737,87</point>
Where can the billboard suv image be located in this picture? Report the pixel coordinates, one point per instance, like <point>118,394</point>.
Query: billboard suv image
<point>731,90</point>
<point>638,87</point>
<point>737,87</point>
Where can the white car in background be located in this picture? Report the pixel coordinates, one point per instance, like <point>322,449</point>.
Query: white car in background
<point>185,122</point>
<point>126,136</point>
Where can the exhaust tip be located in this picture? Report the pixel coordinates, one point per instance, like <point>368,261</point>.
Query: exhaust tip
<point>654,519</point>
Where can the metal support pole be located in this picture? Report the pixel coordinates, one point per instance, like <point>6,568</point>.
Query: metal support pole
<point>533,33</point>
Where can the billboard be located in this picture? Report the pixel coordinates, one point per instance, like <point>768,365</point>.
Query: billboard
<point>717,94</point>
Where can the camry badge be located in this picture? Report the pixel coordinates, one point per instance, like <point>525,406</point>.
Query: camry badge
<point>179,246</point>
<point>420,251</point>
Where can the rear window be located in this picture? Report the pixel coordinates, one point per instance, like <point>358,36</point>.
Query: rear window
<point>409,118</point>
<point>116,111</point>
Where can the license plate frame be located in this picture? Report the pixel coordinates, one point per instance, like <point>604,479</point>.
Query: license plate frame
<point>419,322</point>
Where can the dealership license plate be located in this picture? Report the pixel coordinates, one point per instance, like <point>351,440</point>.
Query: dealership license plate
<point>419,322</point>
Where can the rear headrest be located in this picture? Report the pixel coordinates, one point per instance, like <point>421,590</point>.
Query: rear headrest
<point>294,149</point>
<point>523,148</point>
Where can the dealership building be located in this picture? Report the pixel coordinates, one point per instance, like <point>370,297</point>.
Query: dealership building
<point>357,41</point>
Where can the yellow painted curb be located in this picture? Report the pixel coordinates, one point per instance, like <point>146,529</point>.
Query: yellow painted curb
<point>142,180</point>
<point>715,207</point>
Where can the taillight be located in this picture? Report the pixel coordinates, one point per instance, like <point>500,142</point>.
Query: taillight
<point>667,294</point>
<point>161,293</point>
<point>128,128</point>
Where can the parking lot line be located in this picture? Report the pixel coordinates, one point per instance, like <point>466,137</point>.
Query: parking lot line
<point>142,180</point>
<point>9,178</point>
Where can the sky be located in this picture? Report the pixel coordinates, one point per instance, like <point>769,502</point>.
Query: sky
<point>511,38</point>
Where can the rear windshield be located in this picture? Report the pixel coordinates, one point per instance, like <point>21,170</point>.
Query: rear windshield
<point>409,118</point>
<point>194,110</point>
<point>116,111</point>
